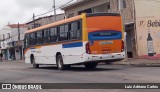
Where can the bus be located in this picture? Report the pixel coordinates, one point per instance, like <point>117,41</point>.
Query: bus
<point>84,39</point>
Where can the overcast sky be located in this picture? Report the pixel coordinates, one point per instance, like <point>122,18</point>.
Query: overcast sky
<point>14,11</point>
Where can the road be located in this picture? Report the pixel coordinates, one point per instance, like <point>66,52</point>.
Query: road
<point>19,72</point>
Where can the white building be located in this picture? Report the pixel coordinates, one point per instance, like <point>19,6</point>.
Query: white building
<point>12,41</point>
<point>5,33</point>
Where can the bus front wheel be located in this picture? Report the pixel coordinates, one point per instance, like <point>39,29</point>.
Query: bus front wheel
<point>92,65</point>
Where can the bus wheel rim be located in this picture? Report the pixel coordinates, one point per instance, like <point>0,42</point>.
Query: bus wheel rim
<point>59,63</point>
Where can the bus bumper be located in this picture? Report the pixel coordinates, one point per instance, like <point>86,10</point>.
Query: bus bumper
<point>105,57</point>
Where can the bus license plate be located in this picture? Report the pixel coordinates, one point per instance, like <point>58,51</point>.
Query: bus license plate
<point>108,42</point>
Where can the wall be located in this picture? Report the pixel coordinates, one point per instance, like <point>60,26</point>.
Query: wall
<point>89,4</point>
<point>5,30</point>
<point>4,42</point>
<point>14,33</point>
<point>148,27</point>
<point>147,8</point>
<point>45,20</point>
<point>128,11</point>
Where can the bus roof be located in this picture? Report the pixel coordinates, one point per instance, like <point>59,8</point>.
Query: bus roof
<point>70,20</point>
<point>55,24</point>
<point>102,14</point>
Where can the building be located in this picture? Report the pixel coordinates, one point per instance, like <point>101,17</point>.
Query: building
<point>11,37</point>
<point>141,19</point>
<point>108,6</point>
<point>148,28</point>
<point>5,38</point>
<point>44,20</point>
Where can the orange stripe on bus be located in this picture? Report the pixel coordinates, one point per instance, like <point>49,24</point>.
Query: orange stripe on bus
<point>55,24</point>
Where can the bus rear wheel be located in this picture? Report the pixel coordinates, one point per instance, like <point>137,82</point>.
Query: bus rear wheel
<point>60,62</point>
<point>34,63</point>
<point>92,65</point>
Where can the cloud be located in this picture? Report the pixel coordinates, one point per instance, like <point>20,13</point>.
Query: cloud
<point>31,4</point>
<point>14,11</point>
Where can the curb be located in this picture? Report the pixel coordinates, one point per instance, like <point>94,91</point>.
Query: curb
<point>136,64</point>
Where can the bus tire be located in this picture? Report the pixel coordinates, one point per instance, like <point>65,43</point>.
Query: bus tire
<point>34,63</point>
<point>92,65</point>
<point>60,64</point>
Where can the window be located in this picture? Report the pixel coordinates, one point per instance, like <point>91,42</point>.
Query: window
<point>105,35</point>
<point>33,39</point>
<point>102,8</point>
<point>71,15</point>
<point>66,28</point>
<point>109,6</point>
<point>75,32</point>
<point>36,25</point>
<point>62,29</point>
<point>53,34</point>
<point>46,36</point>
<point>27,40</point>
<point>40,37</point>
<point>32,36</point>
<point>46,32</point>
<point>63,33</point>
<point>124,4</point>
<point>90,10</point>
<point>39,34</point>
<point>74,26</point>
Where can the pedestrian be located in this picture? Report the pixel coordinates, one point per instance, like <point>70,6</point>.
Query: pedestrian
<point>1,56</point>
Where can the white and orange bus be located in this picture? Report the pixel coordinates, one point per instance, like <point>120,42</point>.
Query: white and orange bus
<point>85,39</point>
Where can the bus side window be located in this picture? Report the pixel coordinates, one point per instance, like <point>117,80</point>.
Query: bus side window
<point>58,33</point>
<point>53,35</point>
<point>69,29</point>
<point>30,39</point>
<point>40,37</point>
<point>62,35</point>
<point>46,36</point>
<point>75,32</point>
<point>33,39</point>
<point>27,40</point>
<point>66,32</point>
<point>79,30</point>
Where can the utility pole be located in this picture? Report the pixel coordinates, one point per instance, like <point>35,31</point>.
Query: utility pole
<point>34,21</point>
<point>19,43</point>
<point>54,6</point>
<point>18,33</point>
<point>121,7</point>
<point>135,32</point>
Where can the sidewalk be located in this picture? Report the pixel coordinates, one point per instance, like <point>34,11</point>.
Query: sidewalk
<point>12,61</point>
<point>138,62</point>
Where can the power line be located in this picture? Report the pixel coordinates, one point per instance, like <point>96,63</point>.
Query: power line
<point>61,6</point>
<point>54,6</point>
<point>55,9</point>
<point>50,10</point>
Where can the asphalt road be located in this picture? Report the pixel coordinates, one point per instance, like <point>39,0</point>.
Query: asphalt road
<point>19,72</point>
